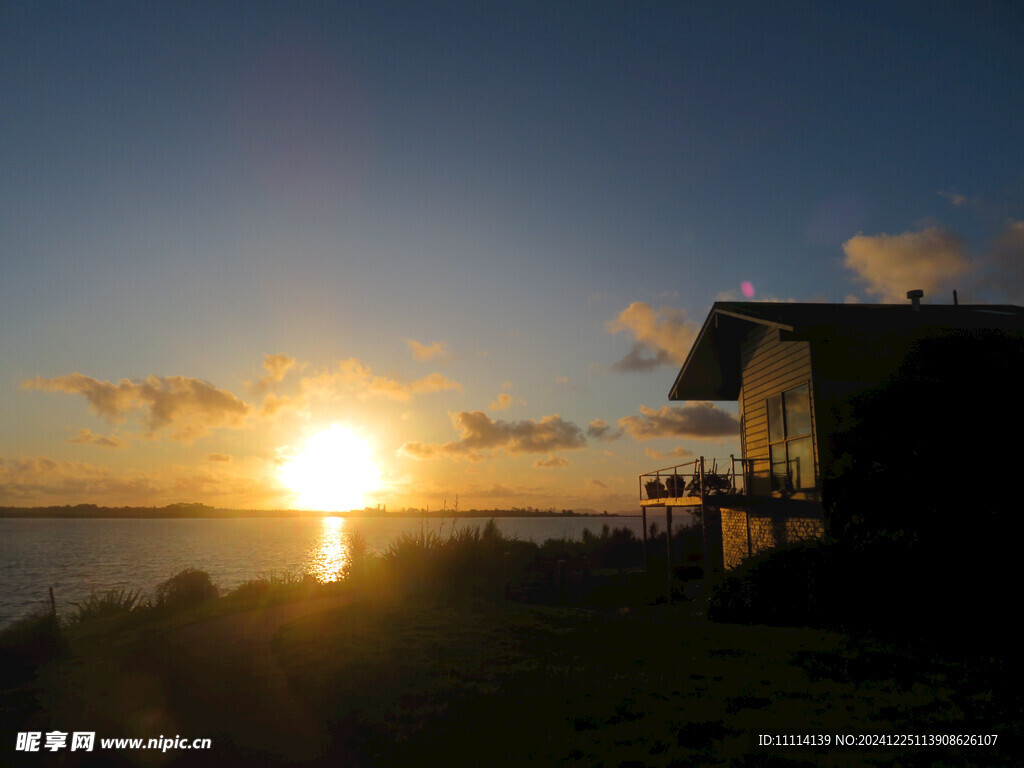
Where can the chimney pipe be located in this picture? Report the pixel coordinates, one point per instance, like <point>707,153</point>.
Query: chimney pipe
<point>955,302</point>
<point>915,299</point>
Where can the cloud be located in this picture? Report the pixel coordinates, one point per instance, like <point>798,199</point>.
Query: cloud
<point>954,198</point>
<point>663,336</point>
<point>217,457</point>
<point>503,402</point>
<point>675,453</point>
<point>597,483</point>
<point>599,429</point>
<point>478,432</point>
<point>1004,270</point>
<point>87,437</point>
<point>890,265</point>
<point>187,407</point>
<point>421,352</point>
<point>352,376</point>
<point>550,463</point>
<point>277,367</point>
<point>40,481</point>
<point>699,419</point>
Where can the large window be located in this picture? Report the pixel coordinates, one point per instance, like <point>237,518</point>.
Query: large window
<point>789,438</point>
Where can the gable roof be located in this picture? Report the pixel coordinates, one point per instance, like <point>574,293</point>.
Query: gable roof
<point>711,370</point>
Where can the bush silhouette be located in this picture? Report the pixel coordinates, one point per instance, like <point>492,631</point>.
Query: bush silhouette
<point>189,588</point>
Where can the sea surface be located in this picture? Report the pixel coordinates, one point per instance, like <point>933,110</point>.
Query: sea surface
<point>78,556</point>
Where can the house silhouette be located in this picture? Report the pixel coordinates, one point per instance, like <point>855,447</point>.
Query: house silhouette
<point>793,368</point>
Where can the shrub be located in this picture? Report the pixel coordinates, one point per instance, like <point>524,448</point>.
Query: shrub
<point>115,602</point>
<point>189,588</point>
<point>27,644</point>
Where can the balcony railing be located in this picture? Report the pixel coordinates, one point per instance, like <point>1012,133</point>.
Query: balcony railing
<point>695,481</point>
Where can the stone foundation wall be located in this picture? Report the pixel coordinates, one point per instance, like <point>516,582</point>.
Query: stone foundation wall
<point>745,533</point>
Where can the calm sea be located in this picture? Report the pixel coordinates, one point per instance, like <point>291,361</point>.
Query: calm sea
<point>76,557</point>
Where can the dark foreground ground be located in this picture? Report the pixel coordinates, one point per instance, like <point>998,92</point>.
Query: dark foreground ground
<point>342,681</point>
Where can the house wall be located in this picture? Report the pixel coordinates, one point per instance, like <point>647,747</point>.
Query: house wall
<point>769,366</point>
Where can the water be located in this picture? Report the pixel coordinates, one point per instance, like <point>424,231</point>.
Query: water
<point>76,556</point>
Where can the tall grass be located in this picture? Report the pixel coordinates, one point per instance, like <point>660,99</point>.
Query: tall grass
<point>114,602</point>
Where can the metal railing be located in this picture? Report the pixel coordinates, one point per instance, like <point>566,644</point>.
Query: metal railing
<point>704,477</point>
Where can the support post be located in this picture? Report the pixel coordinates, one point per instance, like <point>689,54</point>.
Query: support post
<point>704,524</point>
<point>53,604</point>
<point>668,549</point>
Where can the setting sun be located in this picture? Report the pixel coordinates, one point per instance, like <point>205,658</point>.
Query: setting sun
<point>333,472</point>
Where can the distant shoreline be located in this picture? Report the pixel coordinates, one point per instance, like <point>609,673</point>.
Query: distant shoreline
<point>173,511</point>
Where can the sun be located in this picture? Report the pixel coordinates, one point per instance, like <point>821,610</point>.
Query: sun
<point>334,472</point>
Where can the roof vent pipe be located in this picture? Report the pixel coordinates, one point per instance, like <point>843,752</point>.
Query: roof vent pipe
<point>915,299</point>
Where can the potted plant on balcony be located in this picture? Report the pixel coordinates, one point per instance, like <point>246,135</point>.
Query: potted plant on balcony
<point>674,485</point>
<point>655,489</point>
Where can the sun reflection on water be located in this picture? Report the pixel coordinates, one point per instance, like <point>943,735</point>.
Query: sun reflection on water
<point>333,555</point>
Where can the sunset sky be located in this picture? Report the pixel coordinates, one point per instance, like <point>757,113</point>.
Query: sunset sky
<point>477,239</point>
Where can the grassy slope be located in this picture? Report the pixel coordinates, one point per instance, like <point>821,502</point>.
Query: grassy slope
<point>380,683</point>
<point>498,685</point>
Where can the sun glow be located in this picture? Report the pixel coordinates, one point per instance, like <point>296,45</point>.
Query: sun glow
<point>334,472</point>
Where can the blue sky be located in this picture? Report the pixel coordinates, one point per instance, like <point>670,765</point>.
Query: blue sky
<point>251,215</point>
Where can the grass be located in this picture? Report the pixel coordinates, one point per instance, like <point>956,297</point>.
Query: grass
<point>115,602</point>
<point>506,685</point>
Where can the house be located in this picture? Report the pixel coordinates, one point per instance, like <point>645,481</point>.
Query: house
<point>791,368</point>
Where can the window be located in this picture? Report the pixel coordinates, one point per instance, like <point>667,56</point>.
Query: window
<point>789,438</point>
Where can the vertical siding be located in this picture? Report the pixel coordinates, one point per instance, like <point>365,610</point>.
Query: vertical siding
<point>769,366</point>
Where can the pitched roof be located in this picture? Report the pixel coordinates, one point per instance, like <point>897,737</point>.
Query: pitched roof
<point>711,370</point>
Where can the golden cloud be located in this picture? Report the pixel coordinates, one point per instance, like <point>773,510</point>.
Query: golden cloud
<point>187,407</point>
<point>87,437</point>
<point>277,367</point>
<point>890,265</point>
<point>422,352</point>
<point>353,376</point>
<point>551,462</point>
<point>663,336</point>
<point>675,453</point>
<point>503,402</point>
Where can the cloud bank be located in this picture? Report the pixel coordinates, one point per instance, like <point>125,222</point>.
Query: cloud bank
<point>479,432</point>
<point>698,419</point>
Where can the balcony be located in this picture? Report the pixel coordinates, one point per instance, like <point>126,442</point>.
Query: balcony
<point>695,482</point>
<point>724,481</point>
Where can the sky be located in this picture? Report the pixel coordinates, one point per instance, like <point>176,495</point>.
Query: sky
<point>307,254</point>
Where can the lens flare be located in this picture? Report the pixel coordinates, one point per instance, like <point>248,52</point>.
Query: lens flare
<point>747,289</point>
